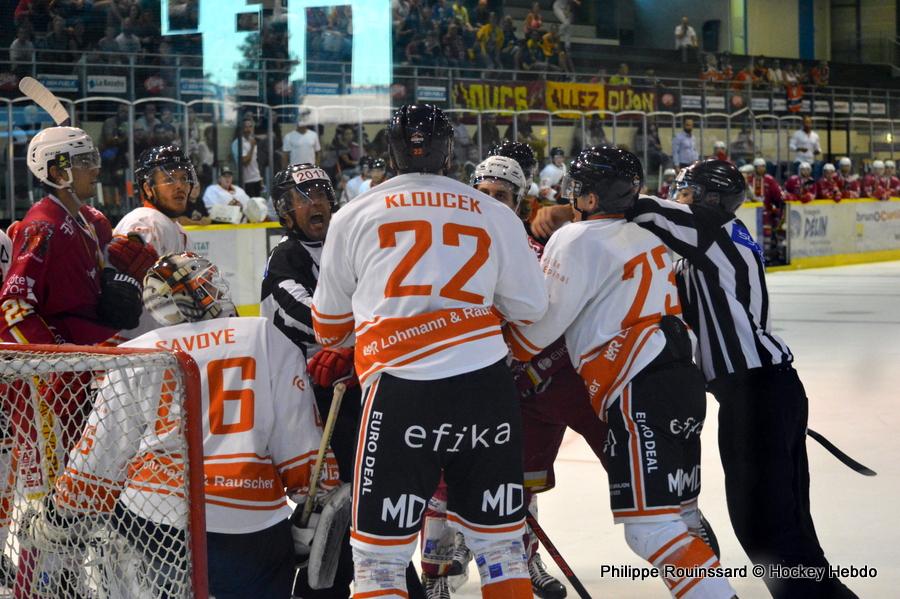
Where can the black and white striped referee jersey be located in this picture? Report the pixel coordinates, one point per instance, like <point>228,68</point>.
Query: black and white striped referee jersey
<point>721,284</point>
<point>287,289</point>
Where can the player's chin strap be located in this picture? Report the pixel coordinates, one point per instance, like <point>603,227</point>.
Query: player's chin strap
<point>840,455</point>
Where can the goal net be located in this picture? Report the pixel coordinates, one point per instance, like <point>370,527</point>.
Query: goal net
<point>101,474</point>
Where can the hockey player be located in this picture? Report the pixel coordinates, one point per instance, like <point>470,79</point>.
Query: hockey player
<point>165,177</point>
<point>623,330</point>
<point>552,174</point>
<point>304,198</point>
<point>765,189</point>
<point>876,184</point>
<point>351,190</point>
<point>801,187</point>
<point>828,186</point>
<point>270,442</point>
<point>762,404</point>
<point>423,269</point>
<point>523,154</point>
<point>890,169</point>
<point>377,168</point>
<point>666,183</point>
<point>847,181</point>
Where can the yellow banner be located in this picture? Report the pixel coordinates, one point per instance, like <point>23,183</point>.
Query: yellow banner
<point>582,97</point>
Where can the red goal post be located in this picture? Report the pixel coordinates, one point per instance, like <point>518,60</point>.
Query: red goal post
<point>101,473</point>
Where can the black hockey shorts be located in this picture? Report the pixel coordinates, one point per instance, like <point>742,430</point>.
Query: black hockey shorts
<point>468,427</point>
<point>255,564</point>
<point>653,444</point>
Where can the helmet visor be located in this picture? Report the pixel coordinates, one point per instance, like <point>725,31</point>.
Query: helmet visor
<point>173,175</point>
<point>569,189</point>
<point>86,160</point>
<point>315,192</point>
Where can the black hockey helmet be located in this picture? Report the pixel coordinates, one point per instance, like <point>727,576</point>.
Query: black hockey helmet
<point>365,164</point>
<point>615,175</point>
<point>169,158</point>
<point>420,139</point>
<point>305,178</point>
<point>377,164</point>
<point>518,151</point>
<point>556,151</point>
<point>716,183</point>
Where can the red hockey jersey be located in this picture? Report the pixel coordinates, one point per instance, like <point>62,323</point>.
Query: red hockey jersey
<point>800,189</point>
<point>52,288</point>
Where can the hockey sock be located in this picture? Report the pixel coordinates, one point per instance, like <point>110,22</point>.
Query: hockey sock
<point>529,538</point>
<point>679,555</point>
<point>698,526</point>
<point>380,574</point>
<point>502,567</point>
<point>438,538</point>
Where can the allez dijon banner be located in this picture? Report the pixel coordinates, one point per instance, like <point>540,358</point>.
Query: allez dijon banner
<point>552,96</point>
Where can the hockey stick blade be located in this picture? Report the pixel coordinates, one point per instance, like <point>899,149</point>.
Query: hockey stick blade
<point>557,557</point>
<point>44,98</point>
<point>840,455</point>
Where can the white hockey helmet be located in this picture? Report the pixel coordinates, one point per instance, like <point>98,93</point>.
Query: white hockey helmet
<point>186,288</point>
<point>669,172</point>
<point>66,147</point>
<point>878,166</point>
<point>890,164</point>
<point>805,167</point>
<point>828,167</point>
<point>746,169</point>
<point>759,162</point>
<point>844,161</point>
<point>501,168</point>
<point>719,145</point>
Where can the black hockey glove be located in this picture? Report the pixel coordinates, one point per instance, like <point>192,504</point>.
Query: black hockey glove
<point>121,301</point>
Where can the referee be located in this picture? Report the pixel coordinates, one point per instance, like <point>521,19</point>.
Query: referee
<point>762,404</point>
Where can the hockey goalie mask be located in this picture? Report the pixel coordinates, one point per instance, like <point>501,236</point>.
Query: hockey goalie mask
<point>186,288</point>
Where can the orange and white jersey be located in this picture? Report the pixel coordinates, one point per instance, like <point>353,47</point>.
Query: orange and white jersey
<point>260,431</point>
<point>166,236</point>
<point>609,283</point>
<point>423,269</point>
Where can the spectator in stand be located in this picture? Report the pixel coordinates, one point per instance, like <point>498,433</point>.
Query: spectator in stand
<point>668,177</point>
<point>744,79</point>
<point>828,187</point>
<point>564,11</point>
<point>173,126</point>
<point>415,51</point>
<point>21,52</point>
<point>760,72</point>
<point>511,47</point>
<point>463,148</point>
<point>594,135</point>
<point>685,38</point>
<point>245,156</point>
<point>79,39</point>
<point>351,187</point>
<point>848,182</point>
<point>726,72</point>
<point>684,148</point>
<point>225,192</point>
<point>108,46</point>
<point>800,72</point>
<point>490,42</point>
<point>461,13</point>
<point>876,184</point>
<point>203,155</point>
<point>300,145</point>
<point>144,127</point>
<point>621,77</point>
<point>553,54</point>
<point>819,74</point>
<point>790,77</point>
<point>489,134</point>
<point>775,76</point>
<point>710,73</point>
<point>347,150</point>
<point>455,46</point>
<point>128,42</point>
<point>801,187</point>
<point>442,14</point>
<point>742,148</point>
<point>57,45</point>
<point>481,15</point>
<point>114,156</point>
<point>804,144</point>
<point>533,21</point>
<point>890,168</point>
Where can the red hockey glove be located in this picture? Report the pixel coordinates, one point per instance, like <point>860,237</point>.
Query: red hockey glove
<point>329,365</point>
<point>131,255</point>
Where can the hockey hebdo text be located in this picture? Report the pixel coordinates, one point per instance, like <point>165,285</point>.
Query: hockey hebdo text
<point>671,571</point>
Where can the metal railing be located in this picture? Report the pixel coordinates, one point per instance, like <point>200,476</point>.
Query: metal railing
<point>206,128</point>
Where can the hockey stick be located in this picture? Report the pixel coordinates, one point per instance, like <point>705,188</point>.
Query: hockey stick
<point>840,455</point>
<point>44,98</point>
<point>327,431</point>
<point>554,553</point>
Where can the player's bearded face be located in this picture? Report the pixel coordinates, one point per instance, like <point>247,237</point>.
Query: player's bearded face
<point>499,190</point>
<point>84,182</point>
<point>172,190</point>
<point>311,214</point>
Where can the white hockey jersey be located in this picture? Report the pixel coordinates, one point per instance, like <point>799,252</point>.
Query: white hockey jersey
<point>166,236</point>
<point>260,431</point>
<point>423,269</point>
<point>609,283</point>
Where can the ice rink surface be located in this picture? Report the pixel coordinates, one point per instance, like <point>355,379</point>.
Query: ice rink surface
<point>843,325</point>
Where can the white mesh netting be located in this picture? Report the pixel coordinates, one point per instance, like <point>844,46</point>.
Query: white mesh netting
<point>95,486</point>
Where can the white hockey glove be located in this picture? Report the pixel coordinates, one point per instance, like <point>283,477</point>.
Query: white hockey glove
<point>317,545</point>
<point>46,528</point>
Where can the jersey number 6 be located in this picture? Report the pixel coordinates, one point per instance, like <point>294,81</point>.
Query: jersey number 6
<point>451,234</point>
<point>218,395</point>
